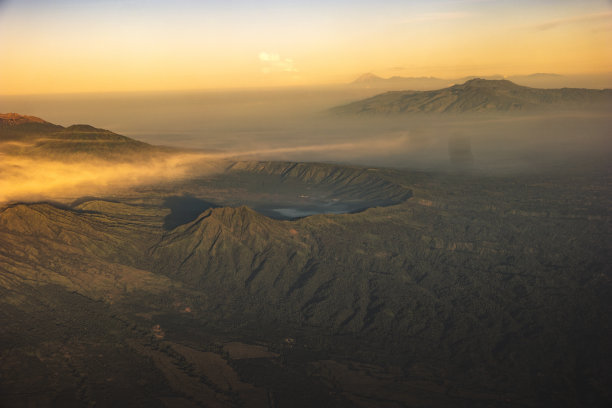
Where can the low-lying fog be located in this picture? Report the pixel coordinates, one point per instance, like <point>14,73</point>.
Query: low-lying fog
<point>294,125</point>
<point>27,179</point>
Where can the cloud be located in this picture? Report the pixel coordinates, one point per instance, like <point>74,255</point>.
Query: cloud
<point>272,62</point>
<point>585,18</point>
<point>267,57</point>
<point>385,143</point>
<point>25,179</point>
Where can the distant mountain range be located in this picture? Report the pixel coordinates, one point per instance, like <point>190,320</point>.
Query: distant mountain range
<point>476,95</point>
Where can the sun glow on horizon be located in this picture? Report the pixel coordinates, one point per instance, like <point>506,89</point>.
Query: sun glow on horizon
<point>100,46</point>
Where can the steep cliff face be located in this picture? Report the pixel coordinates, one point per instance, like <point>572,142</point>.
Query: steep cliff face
<point>344,181</point>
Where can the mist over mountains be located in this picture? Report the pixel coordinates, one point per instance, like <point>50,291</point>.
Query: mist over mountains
<point>305,204</point>
<point>45,161</point>
<point>32,136</point>
<point>480,95</point>
<point>295,125</point>
<point>536,80</point>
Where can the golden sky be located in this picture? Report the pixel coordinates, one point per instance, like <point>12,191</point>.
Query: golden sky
<point>138,45</point>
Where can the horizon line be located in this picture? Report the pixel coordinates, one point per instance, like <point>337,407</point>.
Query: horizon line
<point>296,86</point>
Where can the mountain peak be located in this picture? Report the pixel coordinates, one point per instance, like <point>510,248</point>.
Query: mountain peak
<point>489,83</point>
<point>13,119</point>
<point>479,95</point>
<point>368,77</point>
<point>54,141</point>
<point>83,128</point>
<point>225,239</point>
<point>233,216</point>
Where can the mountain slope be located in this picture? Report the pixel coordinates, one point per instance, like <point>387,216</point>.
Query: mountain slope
<point>492,285</point>
<point>395,83</point>
<point>15,119</point>
<point>367,78</point>
<point>14,126</point>
<point>346,182</point>
<point>32,136</point>
<point>229,250</point>
<point>483,291</point>
<point>92,254</point>
<point>476,95</point>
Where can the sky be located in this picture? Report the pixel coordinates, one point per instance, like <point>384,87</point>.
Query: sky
<point>69,46</point>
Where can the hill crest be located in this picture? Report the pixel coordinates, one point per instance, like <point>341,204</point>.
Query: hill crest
<point>13,119</point>
<point>37,137</point>
<point>476,95</point>
<point>367,77</point>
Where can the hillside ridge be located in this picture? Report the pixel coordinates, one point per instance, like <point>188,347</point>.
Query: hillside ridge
<point>13,119</point>
<point>476,95</point>
<point>39,138</point>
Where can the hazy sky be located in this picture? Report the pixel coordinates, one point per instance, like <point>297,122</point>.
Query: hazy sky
<point>110,45</point>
